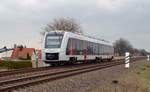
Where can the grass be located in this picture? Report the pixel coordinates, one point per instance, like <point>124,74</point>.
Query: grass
<point>15,64</point>
<point>136,81</point>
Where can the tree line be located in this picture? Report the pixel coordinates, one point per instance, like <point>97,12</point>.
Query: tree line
<point>122,45</point>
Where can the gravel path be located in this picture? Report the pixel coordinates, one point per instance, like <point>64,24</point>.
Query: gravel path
<point>3,69</point>
<point>83,82</point>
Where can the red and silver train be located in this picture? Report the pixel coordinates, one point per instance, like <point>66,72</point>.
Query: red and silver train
<point>60,47</point>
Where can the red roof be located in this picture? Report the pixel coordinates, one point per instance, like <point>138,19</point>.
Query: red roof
<point>17,53</point>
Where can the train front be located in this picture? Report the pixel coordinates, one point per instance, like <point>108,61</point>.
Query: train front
<point>51,46</point>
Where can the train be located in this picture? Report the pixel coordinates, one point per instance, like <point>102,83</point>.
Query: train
<point>61,47</point>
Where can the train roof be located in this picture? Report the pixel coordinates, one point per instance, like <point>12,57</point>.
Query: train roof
<point>90,38</point>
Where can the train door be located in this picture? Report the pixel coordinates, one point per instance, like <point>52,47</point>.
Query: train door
<point>85,50</point>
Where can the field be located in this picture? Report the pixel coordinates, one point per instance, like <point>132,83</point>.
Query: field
<point>136,81</point>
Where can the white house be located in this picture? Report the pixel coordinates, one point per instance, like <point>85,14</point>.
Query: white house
<point>36,59</point>
<point>36,54</point>
<point>6,54</point>
<point>0,55</point>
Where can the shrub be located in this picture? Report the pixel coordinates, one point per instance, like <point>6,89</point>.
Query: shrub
<point>15,64</point>
<point>28,56</point>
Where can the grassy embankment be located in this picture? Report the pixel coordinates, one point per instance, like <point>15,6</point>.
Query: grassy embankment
<point>15,64</point>
<point>136,81</point>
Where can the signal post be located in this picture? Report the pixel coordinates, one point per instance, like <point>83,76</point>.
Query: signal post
<point>127,60</point>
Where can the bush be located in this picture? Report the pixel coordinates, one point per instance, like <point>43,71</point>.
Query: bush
<point>28,56</point>
<point>15,64</point>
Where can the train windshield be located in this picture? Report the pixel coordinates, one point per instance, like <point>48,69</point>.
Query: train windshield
<point>53,41</point>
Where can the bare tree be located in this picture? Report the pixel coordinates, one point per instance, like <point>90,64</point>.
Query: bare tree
<point>121,46</point>
<point>65,24</point>
<point>143,52</point>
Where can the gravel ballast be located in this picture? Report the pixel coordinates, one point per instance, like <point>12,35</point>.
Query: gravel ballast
<point>84,82</point>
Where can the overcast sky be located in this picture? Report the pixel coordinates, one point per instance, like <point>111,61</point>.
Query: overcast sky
<point>21,21</point>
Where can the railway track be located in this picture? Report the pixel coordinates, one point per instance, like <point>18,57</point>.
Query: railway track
<point>9,85</point>
<point>11,72</point>
<point>23,71</point>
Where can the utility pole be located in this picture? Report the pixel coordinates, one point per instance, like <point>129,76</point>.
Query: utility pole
<point>147,57</point>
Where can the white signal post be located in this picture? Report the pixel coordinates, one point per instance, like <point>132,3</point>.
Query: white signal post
<point>127,60</point>
<point>37,59</point>
<point>147,57</point>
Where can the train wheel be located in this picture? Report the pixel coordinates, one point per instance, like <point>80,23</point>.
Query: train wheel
<point>97,60</point>
<point>85,62</point>
<point>102,60</point>
<point>73,60</point>
<point>108,60</point>
<point>54,64</point>
<point>63,63</point>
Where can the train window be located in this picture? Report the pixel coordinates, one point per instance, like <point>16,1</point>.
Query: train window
<point>97,49</point>
<point>78,47</point>
<point>106,50</point>
<point>88,48</point>
<point>103,49</point>
<point>74,48</point>
<point>68,47</point>
<point>81,50</point>
<point>110,50</point>
<point>91,48</point>
<point>100,49</point>
<point>53,41</point>
<point>94,48</point>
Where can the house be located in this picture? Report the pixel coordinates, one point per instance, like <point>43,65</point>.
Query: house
<point>0,56</point>
<point>6,54</point>
<point>36,59</point>
<point>22,53</point>
<point>36,55</point>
